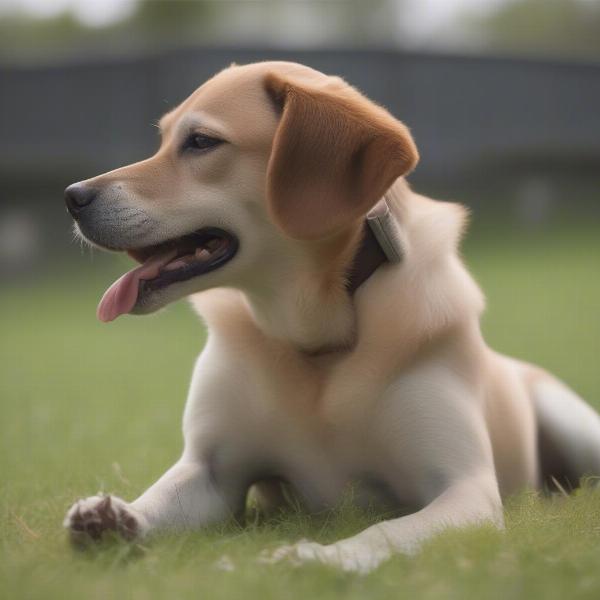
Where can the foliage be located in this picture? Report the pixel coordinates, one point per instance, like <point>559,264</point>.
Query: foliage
<point>548,27</point>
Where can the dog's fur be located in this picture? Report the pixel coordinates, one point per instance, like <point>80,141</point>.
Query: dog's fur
<point>392,390</point>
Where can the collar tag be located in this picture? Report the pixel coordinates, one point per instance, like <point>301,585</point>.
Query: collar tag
<point>386,230</point>
<point>382,242</point>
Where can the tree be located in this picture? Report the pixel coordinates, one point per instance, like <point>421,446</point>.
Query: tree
<point>550,27</point>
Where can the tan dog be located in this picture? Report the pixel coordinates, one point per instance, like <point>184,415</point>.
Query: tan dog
<point>255,205</point>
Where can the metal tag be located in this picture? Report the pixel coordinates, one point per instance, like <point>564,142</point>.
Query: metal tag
<point>387,231</point>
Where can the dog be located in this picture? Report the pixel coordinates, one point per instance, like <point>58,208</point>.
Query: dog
<point>344,346</point>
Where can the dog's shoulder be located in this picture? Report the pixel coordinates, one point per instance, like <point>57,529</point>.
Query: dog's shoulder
<point>431,291</point>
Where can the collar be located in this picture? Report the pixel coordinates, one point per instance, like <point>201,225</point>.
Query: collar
<point>366,261</point>
<point>381,243</point>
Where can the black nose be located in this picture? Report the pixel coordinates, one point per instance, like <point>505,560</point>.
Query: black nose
<point>78,196</point>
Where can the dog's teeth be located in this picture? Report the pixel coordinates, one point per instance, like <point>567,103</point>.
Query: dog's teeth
<point>176,264</point>
<point>213,244</point>
<point>202,254</point>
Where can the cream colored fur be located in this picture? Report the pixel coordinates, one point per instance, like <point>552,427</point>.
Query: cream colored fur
<point>392,389</point>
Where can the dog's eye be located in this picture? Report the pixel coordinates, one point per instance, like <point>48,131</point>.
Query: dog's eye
<point>199,141</point>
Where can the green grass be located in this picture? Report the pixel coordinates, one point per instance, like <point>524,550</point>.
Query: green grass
<point>87,407</point>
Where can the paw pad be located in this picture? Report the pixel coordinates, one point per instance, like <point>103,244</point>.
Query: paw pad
<point>92,518</point>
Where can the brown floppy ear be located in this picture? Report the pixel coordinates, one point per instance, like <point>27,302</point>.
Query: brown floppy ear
<point>334,155</point>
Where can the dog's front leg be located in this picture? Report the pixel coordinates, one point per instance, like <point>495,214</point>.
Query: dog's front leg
<point>437,447</point>
<point>470,501</point>
<point>185,497</point>
<point>195,491</point>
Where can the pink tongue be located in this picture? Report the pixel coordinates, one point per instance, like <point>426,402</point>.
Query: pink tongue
<point>121,296</point>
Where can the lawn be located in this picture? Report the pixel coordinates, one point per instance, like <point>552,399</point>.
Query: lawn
<point>87,407</point>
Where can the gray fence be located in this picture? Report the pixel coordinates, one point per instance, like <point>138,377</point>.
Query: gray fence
<point>92,115</point>
<point>474,118</point>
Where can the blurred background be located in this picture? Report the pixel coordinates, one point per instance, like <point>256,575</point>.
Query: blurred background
<point>503,99</point>
<point>502,96</point>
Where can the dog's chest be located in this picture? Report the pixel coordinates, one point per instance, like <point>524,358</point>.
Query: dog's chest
<point>314,427</point>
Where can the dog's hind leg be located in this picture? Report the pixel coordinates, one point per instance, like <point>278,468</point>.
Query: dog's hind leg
<point>268,496</point>
<point>568,432</point>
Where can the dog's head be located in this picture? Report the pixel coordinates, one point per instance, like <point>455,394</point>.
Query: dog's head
<point>261,160</point>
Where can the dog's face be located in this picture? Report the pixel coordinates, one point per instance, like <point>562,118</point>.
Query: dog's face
<point>260,161</point>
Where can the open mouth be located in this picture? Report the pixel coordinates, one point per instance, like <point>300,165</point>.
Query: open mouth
<point>169,262</point>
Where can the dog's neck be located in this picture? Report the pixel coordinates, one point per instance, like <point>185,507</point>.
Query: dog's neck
<point>310,303</point>
<point>306,302</point>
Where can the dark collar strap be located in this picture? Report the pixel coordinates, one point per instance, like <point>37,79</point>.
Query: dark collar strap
<point>366,260</point>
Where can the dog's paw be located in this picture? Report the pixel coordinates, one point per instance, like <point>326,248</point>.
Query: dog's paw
<point>347,557</point>
<point>94,518</point>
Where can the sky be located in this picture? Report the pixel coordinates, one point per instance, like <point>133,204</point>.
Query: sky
<point>427,15</point>
<point>91,12</point>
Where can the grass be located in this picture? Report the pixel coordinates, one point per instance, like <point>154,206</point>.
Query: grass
<point>87,407</point>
